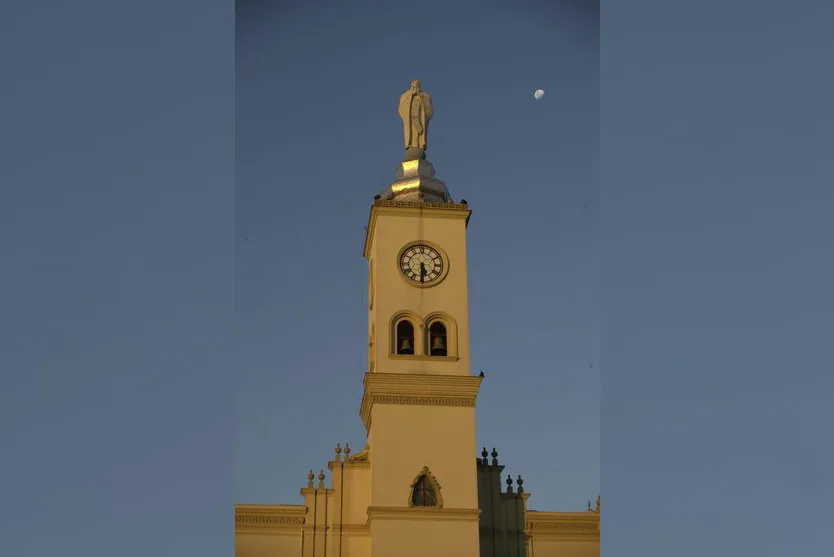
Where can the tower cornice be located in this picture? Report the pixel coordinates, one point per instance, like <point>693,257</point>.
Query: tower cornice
<point>415,209</point>
<point>268,518</point>
<point>417,389</point>
<point>563,526</point>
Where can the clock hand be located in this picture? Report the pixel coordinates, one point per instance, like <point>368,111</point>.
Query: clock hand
<point>422,272</point>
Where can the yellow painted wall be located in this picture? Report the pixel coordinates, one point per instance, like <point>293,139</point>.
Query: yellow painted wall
<point>392,229</point>
<point>422,538</point>
<point>408,437</point>
<point>267,544</point>
<point>354,545</point>
<point>545,547</point>
<point>357,494</point>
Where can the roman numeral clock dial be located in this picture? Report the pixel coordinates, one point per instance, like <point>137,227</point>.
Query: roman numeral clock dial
<point>422,265</point>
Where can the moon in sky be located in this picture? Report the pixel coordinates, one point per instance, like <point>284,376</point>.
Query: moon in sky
<point>538,94</point>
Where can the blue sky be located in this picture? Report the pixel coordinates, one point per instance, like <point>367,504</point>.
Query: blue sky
<point>136,319</point>
<point>318,135</point>
<point>117,311</point>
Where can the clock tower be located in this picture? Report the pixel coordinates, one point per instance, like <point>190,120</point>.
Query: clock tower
<point>417,488</point>
<point>418,404</point>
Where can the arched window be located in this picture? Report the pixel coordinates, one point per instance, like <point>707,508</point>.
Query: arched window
<point>438,343</point>
<point>405,337</point>
<point>424,492</point>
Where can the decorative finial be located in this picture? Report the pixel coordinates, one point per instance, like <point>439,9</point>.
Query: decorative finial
<point>485,455</point>
<point>509,483</point>
<point>597,503</point>
<point>589,506</point>
<point>347,450</point>
<point>494,457</point>
<point>311,477</point>
<point>338,452</point>
<point>520,483</point>
<point>321,479</point>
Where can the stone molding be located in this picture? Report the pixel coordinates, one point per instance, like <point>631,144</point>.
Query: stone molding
<point>422,357</point>
<point>585,526</point>
<point>269,518</point>
<point>289,519</point>
<point>414,389</point>
<point>354,464</point>
<point>316,491</point>
<point>420,205</point>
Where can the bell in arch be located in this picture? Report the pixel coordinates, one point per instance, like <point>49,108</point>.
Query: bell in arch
<point>406,347</point>
<point>438,347</point>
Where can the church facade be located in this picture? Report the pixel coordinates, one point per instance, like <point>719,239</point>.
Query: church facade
<point>445,499</point>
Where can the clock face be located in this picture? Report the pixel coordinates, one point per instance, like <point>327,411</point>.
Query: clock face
<point>421,264</point>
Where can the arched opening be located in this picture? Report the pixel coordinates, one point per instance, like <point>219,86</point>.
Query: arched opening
<point>425,491</point>
<point>405,338</point>
<point>438,341</point>
<point>423,494</point>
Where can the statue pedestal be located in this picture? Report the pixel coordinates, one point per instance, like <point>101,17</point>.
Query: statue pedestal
<point>414,154</point>
<point>416,182</point>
